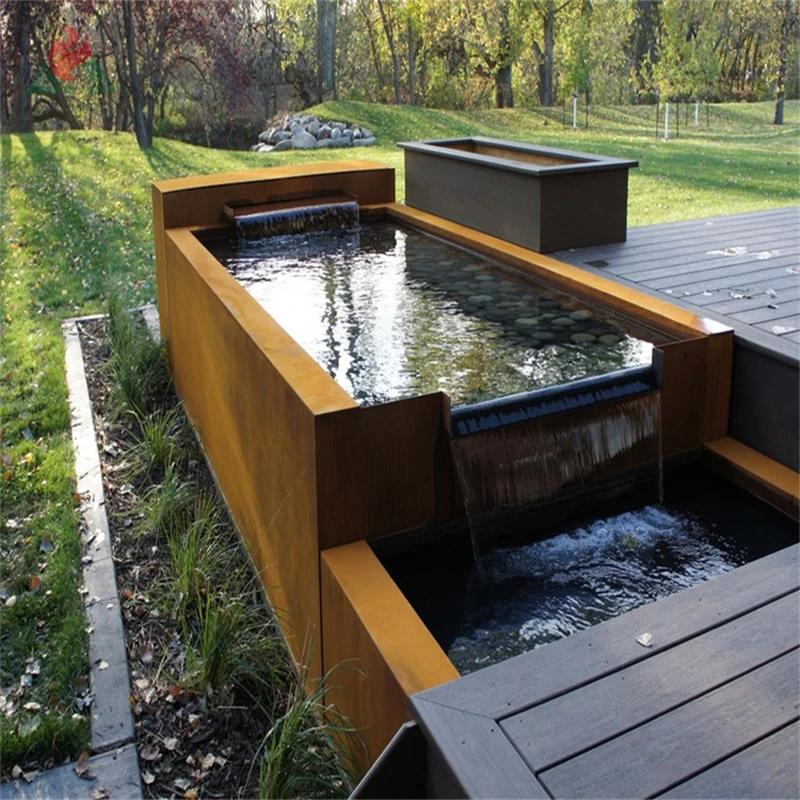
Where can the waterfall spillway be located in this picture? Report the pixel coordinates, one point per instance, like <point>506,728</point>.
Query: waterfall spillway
<point>300,219</point>
<point>521,451</point>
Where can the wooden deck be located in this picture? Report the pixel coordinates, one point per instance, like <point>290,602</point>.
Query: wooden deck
<point>709,710</point>
<point>743,270</point>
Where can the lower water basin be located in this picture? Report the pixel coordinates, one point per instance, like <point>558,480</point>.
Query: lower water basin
<point>585,571</point>
<point>392,313</point>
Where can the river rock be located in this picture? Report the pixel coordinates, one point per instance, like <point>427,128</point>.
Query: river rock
<point>283,144</point>
<point>296,128</point>
<point>302,140</point>
<point>335,132</point>
<point>480,299</point>
<point>263,137</point>
<point>608,338</point>
<point>543,336</point>
<point>580,314</point>
<point>313,128</point>
<point>364,142</point>
<point>325,132</point>
<point>563,322</point>
<point>366,133</point>
<point>583,338</point>
<point>324,144</point>
<point>527,322</point>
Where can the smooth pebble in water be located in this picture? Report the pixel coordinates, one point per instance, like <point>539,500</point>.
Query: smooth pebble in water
<point>583,338</point>
<point>543,336</point>
<point>527,322</point>
<point>563,321</point>
<point>608,338</point>
<point>480,299</point>
<point>580,314</point>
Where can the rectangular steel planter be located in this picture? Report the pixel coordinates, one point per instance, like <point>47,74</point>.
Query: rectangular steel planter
<point>538,197</point>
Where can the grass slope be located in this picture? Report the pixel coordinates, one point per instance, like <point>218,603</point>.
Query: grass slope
<point>75,216</point>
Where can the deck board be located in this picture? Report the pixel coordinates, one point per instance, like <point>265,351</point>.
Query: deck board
<point>598,715</point>
<point>775,761</point>
<point>685,262</point>
<point>683,742</point>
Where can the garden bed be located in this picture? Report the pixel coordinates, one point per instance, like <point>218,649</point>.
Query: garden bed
<point>212,685</point>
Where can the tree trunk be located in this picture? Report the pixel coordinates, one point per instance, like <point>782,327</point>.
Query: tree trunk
<point>143,136</point>
<point>412,63</point>
<point>545,57</point>
<point>388,28</point>
<point>326,49</point>
<point>783,61</point>
<point>504,94</point>
<point>21,120</point>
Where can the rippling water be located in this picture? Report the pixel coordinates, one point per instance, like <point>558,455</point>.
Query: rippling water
<point>392,313</point>
<point>524,597</point>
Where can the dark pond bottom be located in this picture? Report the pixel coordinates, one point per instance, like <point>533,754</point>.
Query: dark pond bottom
<point>586,571</point>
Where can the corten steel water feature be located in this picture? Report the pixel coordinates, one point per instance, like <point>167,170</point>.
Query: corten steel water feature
<point>310,476</point>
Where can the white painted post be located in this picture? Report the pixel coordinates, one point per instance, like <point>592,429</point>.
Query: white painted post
<point>574,110</point>
<point>666,121</point>
<point>696,111</point>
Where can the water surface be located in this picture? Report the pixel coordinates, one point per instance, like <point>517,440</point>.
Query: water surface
<point>392,313</point>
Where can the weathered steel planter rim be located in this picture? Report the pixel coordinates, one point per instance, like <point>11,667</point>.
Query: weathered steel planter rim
<point>582,162</point>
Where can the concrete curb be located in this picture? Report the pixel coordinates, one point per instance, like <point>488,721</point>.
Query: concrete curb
<point>111,717</point>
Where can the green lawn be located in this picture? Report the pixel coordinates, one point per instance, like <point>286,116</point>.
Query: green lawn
<point>75,216</point>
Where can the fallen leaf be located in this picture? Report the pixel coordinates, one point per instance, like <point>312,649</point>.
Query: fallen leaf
<point>171,743</point>
<point>100,793</point>
<point>175,690</point>
<point>33,667</point>
<point>127,594</point>
<point>149,752</point>
<point>194,721</point>
<point>182,783</point>
<point>82,767</point>
<point>208,761</point>
<point>148,777</point>
<point>102,665</point>
<point>190,795</point>
<point>146,654</point>
<point>32,707</point>
<point>645,640</point>
<point>12,601</point>
<point>29,776</point>
<point>36,582</point>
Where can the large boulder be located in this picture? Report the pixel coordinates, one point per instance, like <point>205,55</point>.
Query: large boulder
<point>263,137</point>
<point>324,132</point>
<point>364,142</point>
<point>283,144</point>
<point>302,140</point>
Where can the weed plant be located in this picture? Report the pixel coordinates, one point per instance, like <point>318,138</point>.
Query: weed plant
<point>161,440</point>
<point>166,507</point>
<point>305,752</point>
<point>138,364</point>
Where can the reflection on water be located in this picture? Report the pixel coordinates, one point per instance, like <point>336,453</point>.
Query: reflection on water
<point>393,313</point>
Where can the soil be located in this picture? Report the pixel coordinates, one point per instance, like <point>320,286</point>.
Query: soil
<point>188,745</point>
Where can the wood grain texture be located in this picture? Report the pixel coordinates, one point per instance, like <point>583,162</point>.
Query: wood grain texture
<point>470,756</point>
<point>704,264</point>
<point>514,685</point>
<point>566,725</point>
<point>653,757</point>
<point>386,652</point>
<point>768,769</point>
